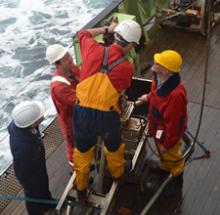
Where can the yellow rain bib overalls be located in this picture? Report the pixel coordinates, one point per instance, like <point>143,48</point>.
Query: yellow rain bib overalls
<point>97,114</point>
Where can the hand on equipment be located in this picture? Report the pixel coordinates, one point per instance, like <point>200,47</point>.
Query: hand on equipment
<point>143,98</point>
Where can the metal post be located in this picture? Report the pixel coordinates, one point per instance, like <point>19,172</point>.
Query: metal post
<point>101,170</point>
<point>157,7</point>
<point>68,210</point>
<point>110,195</point>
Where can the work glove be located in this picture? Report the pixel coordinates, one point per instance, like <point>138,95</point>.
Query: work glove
<point>109,25</point>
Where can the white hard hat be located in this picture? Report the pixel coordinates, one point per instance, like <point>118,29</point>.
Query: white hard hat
<point>55,52</point>
<point>27,113</point>
<point>129,30</point>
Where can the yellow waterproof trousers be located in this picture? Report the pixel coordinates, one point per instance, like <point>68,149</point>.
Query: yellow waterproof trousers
<point>82,162</point>
<point>116,161</point>
<point>173,154</point>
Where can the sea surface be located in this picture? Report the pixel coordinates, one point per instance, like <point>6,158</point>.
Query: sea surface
<point>27,27</point>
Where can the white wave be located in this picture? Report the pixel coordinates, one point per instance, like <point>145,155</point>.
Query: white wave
<point>27,27</point>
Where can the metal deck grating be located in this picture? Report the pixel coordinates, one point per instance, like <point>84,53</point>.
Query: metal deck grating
<point>9,186</point>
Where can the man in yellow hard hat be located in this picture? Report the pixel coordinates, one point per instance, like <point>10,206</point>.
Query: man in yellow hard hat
<point>168,112</point>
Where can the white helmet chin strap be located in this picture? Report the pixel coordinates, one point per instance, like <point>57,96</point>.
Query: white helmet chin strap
<point>120,39</point>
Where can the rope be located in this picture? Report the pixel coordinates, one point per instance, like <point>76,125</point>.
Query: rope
<point>51,202</point>
<point>149,205</point>
<point>171,161</point>
<point>28,199</point>
<point>203,92</point>
<point>45,201</point>
<point>204,79</point>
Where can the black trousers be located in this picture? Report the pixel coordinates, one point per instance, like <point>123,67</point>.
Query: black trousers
<point>37,188</point>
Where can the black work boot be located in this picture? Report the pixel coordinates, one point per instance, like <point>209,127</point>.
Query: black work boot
<point>174,186</point>
<point>155,170</point>
<point>179,184</point>
<point>127,167</point>
<point>154,179</point>
<point>163,175</point>
<point>82,195</point>
<point>179,181</point>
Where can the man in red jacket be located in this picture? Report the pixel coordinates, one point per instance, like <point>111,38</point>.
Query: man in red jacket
<point>63,92</point>
<point>168,112</point>
<point>106,73</point>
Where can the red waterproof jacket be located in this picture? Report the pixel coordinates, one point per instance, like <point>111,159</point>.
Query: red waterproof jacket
<point>63,93</point>
<point>168,111</point>
<point>92,57</point>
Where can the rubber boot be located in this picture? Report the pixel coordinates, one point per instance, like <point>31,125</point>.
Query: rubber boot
<point>155,170</point>
<point>127,170</point>
<point>163,175</point>
<point>82,196</point>
<point>179,181</point>
<point>174,186</point>
<point>127,167</point>
<point>116,161</point>
<point>154,178</point>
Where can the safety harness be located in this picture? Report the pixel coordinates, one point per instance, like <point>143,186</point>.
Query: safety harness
<point>97,91</point>
<point>107,68</point>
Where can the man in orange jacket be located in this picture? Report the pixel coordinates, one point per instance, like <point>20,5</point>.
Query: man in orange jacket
<point>63,92</point>
<point>168,112</point>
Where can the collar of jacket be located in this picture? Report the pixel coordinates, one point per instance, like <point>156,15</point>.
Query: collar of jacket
<point>169,85</point>
<point>71,78</point>
<point>117,48</point>
<point>28,132</point>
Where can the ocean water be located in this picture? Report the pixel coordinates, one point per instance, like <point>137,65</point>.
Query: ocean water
<point>27,27</point>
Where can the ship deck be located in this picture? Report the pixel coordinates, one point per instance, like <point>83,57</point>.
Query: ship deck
<point>200,194</point>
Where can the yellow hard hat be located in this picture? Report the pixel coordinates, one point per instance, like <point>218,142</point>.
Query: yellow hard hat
<point>169,59</point>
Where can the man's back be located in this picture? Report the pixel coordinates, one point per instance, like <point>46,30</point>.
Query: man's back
<point>92,56</point>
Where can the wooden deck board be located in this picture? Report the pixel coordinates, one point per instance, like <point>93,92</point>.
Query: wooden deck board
<point>192,46</point>
<point>201,178</point>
